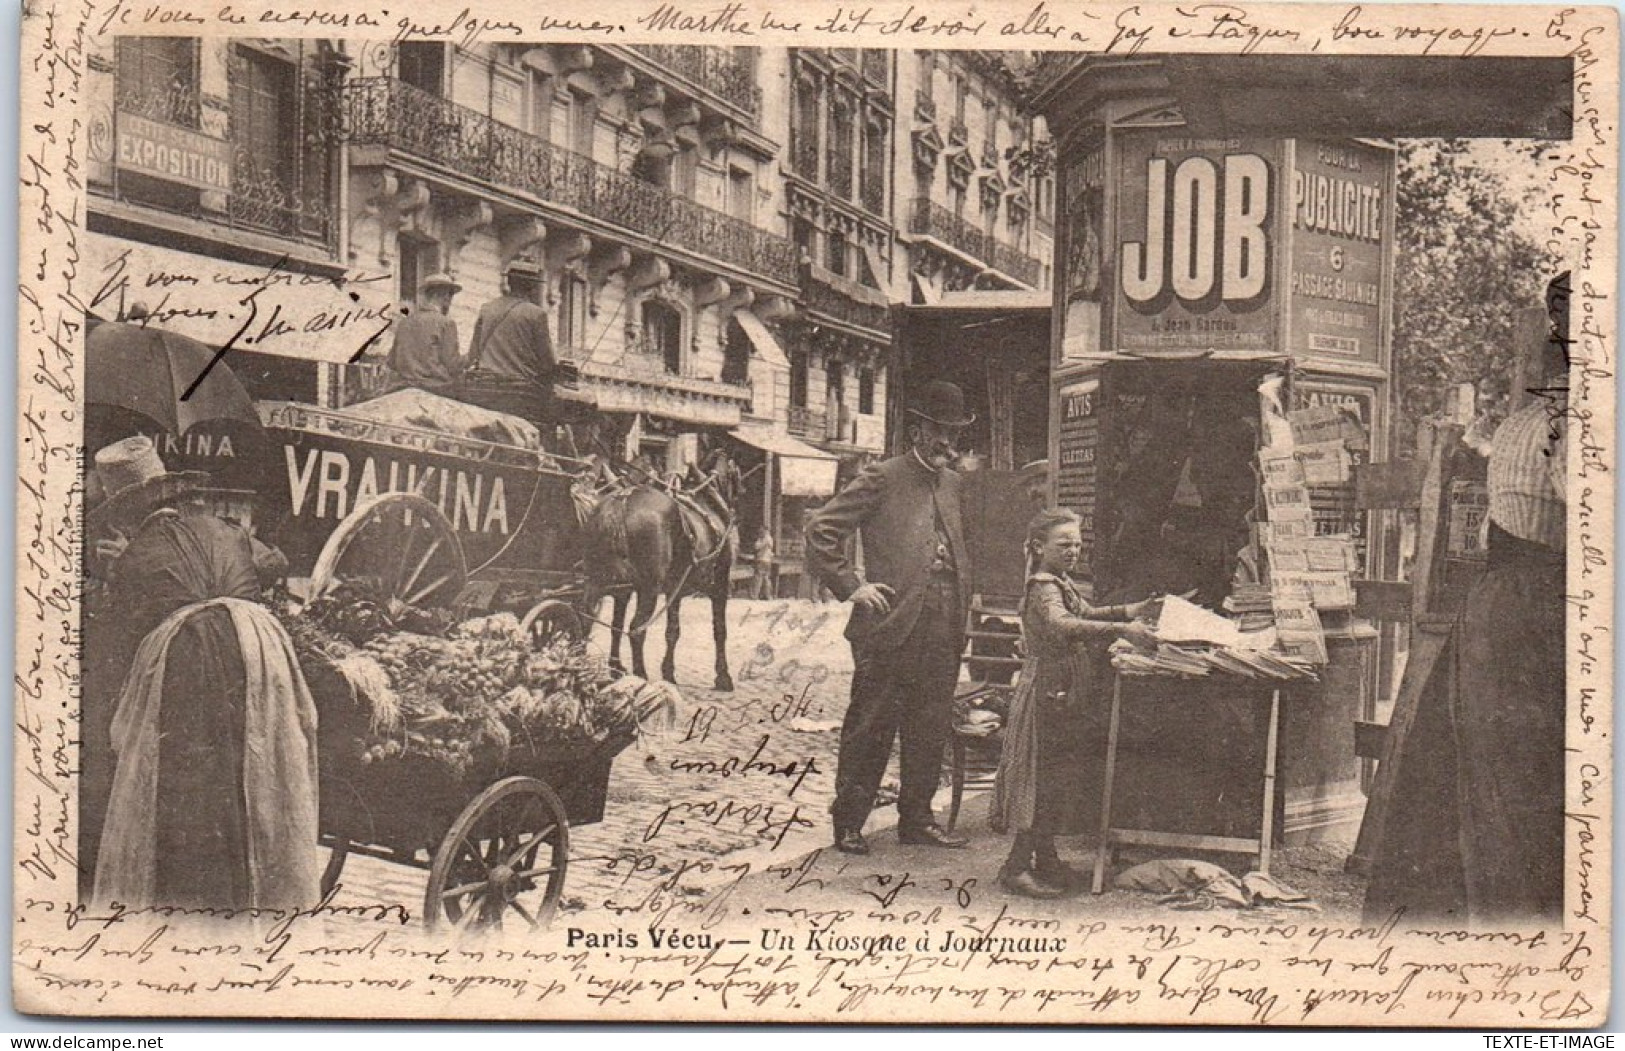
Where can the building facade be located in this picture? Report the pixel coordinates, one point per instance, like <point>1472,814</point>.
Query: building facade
<point>722,237</point>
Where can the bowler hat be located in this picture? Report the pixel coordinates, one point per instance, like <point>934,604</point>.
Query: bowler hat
<point>942,403</point>
<point>434,281</point>
<point>132,475</point>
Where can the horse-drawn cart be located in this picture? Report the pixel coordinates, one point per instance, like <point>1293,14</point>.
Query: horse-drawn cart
<point>398,519</point>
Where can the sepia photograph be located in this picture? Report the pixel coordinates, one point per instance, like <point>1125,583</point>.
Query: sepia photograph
<point>1050,514</point>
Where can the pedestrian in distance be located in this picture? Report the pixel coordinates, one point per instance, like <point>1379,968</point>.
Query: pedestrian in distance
<point>763,553</point>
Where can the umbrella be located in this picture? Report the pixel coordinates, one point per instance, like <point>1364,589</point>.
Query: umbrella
<point>147,370</point>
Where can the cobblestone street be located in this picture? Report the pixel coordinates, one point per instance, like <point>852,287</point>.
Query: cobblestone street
<point>731,807</point>
<point>743,776</point>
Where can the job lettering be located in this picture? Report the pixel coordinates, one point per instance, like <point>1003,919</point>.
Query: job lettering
<point>1206,239</point>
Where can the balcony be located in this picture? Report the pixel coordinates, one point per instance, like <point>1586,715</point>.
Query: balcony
<point>807,423</point>
<point>386,112</point>
<point>835,297</point>
<point>933,220</point>
<point>715,70</point>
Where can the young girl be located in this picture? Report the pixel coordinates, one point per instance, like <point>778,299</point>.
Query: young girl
<point>1039,793</point>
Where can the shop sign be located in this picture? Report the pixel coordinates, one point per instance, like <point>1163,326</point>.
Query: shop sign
<point>172,153</point>
<point>1197,229</point>
<point>1341,195</point>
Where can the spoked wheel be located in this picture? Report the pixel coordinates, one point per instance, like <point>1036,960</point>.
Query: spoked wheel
<point>502,864</point>
<point>400,547</point>
<point>549,618</point>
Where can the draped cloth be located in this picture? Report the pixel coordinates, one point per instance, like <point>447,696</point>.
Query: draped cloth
<point>278,789</point>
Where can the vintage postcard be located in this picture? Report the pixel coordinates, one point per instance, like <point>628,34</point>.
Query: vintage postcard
<point>1140,476</point>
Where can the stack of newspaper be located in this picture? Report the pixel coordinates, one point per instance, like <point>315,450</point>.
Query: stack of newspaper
<point>1251,606</point>
<point>1192,662</point>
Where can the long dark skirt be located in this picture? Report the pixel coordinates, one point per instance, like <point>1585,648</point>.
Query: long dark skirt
<point>1475,830</point>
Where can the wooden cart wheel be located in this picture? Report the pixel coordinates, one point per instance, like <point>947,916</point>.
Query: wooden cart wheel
<point>505,854</point>
<point>548,618</point>
<point>397,545</point>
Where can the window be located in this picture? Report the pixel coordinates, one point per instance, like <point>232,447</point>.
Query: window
<point>805,235</point>
<point>959,201</point>
<point>685,169</point>
<point>416,260</point>
<point>736,355</point>
<point>835,378</point>
<point>158,79</point>
<point>742,194</point>
<point>961,93</point>
<point>840,148</point>
<point>990,122</point>
<point>835,259</point>
<point>654,168</point>
<point>423,66</point>
<point>663,334</point>
<point>583,122</point>
<point>928,70</point>
<point>874,164</point>
<point>572,311</point>
<point>263,112</point>
<point>798,379</point>
<point>541,105</point>
<point>866,391</point>
<point>804,134</point>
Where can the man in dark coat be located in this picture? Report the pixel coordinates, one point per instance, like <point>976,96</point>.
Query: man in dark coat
<point>511,365</point>
<point>426,353</point>
<point>908,618</point>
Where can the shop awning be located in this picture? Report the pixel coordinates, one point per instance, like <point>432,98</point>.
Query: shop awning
<point>767,348</point>
<point>803,470</point>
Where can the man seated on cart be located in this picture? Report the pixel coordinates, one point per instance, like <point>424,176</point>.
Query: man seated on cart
<point>427,353</point>
<point>511,364</point>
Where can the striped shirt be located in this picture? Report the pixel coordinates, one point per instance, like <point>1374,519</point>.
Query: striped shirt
<point>1528,470</point>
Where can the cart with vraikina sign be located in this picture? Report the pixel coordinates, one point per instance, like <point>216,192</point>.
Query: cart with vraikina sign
<point>433,576</point>
<point>465,725</point>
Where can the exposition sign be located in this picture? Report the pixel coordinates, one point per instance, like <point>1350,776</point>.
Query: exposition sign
<point>172,153</point>
<point>1342,196</point>
<point>1197,239</point>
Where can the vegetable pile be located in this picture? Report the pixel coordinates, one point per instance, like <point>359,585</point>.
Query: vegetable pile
<point>468,697</point>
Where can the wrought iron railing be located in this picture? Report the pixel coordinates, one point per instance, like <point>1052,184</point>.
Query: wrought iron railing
<point>717,70</point>
<point>823,298</point>
<point>933,220</point>
<point>179,104</point>
<point>806,423</point>
<point>385,111</point>
<point>1017,264</point>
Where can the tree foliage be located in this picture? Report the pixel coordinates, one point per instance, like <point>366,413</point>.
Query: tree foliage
<point>1463,270</point>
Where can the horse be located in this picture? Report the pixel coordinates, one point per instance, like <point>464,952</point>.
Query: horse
<point>649,540</point>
